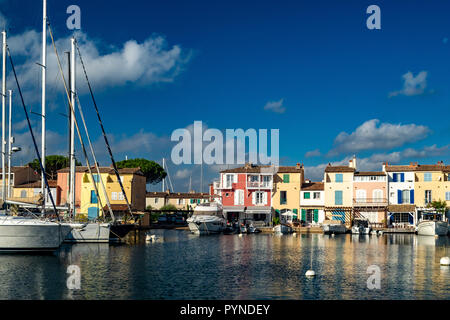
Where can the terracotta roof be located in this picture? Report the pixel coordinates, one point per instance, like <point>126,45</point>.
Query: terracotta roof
<point>401,208</point>
<point>17,169</point>
<point>370,173</point>
<point>313,186</point>
<point>183,195</point>
<point>156,194</point>
<point>104,170</point>
<point>330,168</point>
<point>37,184</point>
<point>417,167</point>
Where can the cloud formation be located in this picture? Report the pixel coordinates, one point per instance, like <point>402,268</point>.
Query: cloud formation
<point>275,106</point>
<point>313,153</point>
<point>412,86</point>
<point>372,135</point>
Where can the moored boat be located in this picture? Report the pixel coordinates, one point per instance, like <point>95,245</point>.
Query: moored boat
<point>333,227</point>
<point>207,219</point>
<point>432,228</point>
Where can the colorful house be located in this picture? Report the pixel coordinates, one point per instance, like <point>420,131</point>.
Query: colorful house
<point>312,202</point>
<point>401,209</point>
<point>246,193</point>
<point>156,200</point>
<point>370,197</point>
<point>86,200</point>
<point>19,176</point>
<point>338,187</point>
<point>286,193</point>
<point>32,190</point>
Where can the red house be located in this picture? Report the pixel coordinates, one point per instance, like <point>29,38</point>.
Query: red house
<point>246,193</point>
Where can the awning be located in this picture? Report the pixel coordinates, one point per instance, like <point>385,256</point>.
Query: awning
<point>258,210</point>
<point>397,208</point>
<point>227,209</point>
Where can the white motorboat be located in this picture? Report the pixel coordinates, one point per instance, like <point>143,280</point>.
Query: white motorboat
<point>432,228</point>
<point>207,219</point>
<point>88,232</point>
<point>22,234</point>
<point>361,226</point>
<point>282,229</point>
<point>333,227</point>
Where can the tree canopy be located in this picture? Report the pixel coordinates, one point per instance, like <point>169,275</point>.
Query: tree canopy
<point>52,165</point>
<point>153,172</point>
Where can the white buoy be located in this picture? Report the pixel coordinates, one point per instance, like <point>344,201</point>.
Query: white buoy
<point>445,261</point>
<point>310,273</point>
<point>332,235</point>
<point>150,238</point>
<point>294,234</point>
<point>240,235</point>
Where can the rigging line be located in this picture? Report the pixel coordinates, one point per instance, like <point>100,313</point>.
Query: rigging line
<point>103,129</point>
<point>80,109</point>
<point>74,117</point>
<point>32,136</point>
<point>170,180</point>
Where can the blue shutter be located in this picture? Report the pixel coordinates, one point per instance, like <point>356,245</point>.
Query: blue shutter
<point>394,177</point>
<point>399,194</point>
<point>402,175</point>
<point>411,196</point>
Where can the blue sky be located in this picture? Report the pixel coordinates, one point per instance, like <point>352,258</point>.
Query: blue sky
<point>335,87</point>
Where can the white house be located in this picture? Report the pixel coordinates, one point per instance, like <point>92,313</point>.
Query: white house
<point>312,202</point>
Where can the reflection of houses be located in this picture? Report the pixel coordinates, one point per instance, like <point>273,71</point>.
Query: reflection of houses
<point>401,193</point>
<point>370,196</point>
<point>338,189</point>
<point>312,202</point>
<point>246,193</point>
<point>287,185</point>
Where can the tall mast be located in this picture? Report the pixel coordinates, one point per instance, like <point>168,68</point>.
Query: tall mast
<point>9,144</point>
<point>44,83</point>
<point>72,128</point>
<point>4,117</point>
<point>164,178</point>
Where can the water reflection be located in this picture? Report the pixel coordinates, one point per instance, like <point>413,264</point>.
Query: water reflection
<point>186,266</point>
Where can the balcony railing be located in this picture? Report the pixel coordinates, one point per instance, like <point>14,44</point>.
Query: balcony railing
<point>259,185</point>
<point>370,202</point>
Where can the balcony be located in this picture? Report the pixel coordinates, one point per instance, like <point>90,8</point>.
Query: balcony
<point>259,185</point>
<point>370,202</point>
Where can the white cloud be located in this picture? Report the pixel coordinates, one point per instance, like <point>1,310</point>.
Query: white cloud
<point>313,153</point>
<point>275,106</point>
<point>371,136</point>
<point>139,63</point>
<point>183,174</point>
<point>412,86</point>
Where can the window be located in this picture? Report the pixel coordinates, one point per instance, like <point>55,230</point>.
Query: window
<point>93,197</point>
<point>120,196</point>
<point>447,196</point>
<point>179,201</point>
<point>156,200</point>
<point>427,176</point>
<point>239,197</point>
<point>338,198</point>
<point>401,217</point>
<point>259,197</point>
<point>228,180</point>
<point>266,181</point>
<point>405,196</point>
<point>377,195</point>
<point>114,195</point>
<point>283,197</point>
<point>316,195</point>
<point>306,195</point>
<point>427,196</point>
<point>339,177</point>
<point>398,177</point>
<point>285,178</point>
<point>23,194</point>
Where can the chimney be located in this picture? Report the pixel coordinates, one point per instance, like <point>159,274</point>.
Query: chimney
<point>298,166</point>
<point>352,163</point>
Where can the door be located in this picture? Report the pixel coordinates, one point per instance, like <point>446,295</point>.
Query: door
<point>92,213</point>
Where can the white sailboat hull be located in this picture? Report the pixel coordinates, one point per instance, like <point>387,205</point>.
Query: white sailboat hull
<point>432,228</point>
<point>206,225</point>
<point>22,235</point>
<point>88,233</point>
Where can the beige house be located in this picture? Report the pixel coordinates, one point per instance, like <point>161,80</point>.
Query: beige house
<point>181,200</point>
<point>338,188</point>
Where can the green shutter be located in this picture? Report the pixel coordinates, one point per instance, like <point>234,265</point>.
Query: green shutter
<point>295,211</point>
<point>316,215</point>
<point>304,214</point>
<point>307,195</point>
<point>286,178</point>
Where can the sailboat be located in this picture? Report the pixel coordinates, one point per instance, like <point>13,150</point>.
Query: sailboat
<point>19,234</point>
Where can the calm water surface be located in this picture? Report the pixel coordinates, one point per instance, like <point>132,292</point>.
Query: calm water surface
<point>185,266</point>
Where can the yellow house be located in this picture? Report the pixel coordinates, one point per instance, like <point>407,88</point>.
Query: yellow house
<point>286,191</point>
<point>134,183</point>
<point>429,184</point>
<point>338,189</point>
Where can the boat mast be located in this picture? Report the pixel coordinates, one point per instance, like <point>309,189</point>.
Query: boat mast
<point>164,178</point>
<point>72,128</point>
<point>4,117</point>
<point>9,144</point>
<point>44,83</point>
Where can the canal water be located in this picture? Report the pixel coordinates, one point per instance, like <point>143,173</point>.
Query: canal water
<point>184,266</point>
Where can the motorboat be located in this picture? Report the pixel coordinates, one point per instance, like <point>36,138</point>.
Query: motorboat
<point>207,219</point>
<point>361,226</point>
<point>282,229</point>
<point>251,229</point>
<point>432,228</point>
<point>24,234</point>
<point>333,227</point>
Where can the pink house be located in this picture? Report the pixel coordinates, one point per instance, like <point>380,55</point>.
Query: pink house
<point>246,194</point>
<point>370,196</point>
